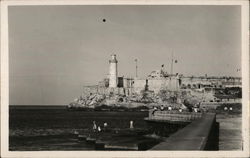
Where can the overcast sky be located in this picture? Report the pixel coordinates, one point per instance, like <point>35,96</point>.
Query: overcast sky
<point>55,50</point>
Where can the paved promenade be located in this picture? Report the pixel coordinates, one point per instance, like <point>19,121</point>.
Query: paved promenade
<point>230,132</point>
<point>192,137</point>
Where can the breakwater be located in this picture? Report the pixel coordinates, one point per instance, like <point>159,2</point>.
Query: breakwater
<point>201,134</point>
<point>119,139</point>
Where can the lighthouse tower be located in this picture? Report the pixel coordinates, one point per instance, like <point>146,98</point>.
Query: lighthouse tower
<point>113,71</point>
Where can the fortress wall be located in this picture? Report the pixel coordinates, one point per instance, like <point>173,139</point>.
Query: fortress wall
<point>174,84</point>
<point>102,90</point>
<point>106,91</point>
<point>227,82</point>
<point>194,81</point>
<point>137,90</point>
<point>123,91</point>
<point>191,82</point>
<point>139,83</point>
<point>128,91</point>
<point>118,91</point>
<point>157,84</point>
<point>127,82</point>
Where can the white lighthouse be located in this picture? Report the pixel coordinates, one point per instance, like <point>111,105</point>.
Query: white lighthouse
<point>113,71</point>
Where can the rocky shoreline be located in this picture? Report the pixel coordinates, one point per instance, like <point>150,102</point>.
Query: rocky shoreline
<point>141,102</point>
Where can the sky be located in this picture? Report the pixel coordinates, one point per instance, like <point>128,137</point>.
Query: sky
<point>56,50</point>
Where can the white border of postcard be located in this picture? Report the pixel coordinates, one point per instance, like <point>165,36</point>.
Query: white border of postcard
<point>5,82</point>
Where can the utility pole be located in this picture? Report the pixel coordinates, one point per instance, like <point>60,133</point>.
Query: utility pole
<point>172,60</point>
<point>136,68</point>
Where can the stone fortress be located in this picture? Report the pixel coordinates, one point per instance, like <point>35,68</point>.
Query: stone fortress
<point>115,90</point>
<point>156,81</point>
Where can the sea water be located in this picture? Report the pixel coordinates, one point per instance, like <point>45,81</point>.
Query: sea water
<point>39,128</point>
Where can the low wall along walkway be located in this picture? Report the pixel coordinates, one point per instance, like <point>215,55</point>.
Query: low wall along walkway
<point>201,134</point>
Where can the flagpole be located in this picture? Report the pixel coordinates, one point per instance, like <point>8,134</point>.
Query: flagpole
<point>172,64</point>
<point>136,67</point>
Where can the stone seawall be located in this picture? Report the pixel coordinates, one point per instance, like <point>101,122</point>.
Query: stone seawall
<point>108,90</point>
<point>201,134</point>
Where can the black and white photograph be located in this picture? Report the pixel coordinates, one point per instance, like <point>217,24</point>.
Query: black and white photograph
<point>124,78</point>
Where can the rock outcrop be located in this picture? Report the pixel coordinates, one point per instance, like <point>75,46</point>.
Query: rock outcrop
<point>146,98</point>
<point>89,101</point>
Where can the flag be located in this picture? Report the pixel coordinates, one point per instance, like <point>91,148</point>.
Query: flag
<point>175,61</point>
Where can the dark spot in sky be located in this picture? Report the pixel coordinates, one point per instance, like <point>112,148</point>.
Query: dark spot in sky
<point>103,20</point>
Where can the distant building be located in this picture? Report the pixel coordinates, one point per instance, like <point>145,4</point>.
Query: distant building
<point>156,81</point>
<point>210,82</point>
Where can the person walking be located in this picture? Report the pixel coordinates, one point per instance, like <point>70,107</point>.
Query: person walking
<point>94,126</point>
<point>162,107</point>
<point>131,125</point>
<point>99,129</point>
<point>105,125</point>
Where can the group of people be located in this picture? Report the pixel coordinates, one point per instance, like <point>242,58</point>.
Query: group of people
<point>105,125</point>
<point>98,128</point>
<point>226,108</point>
<point>169,108</point>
